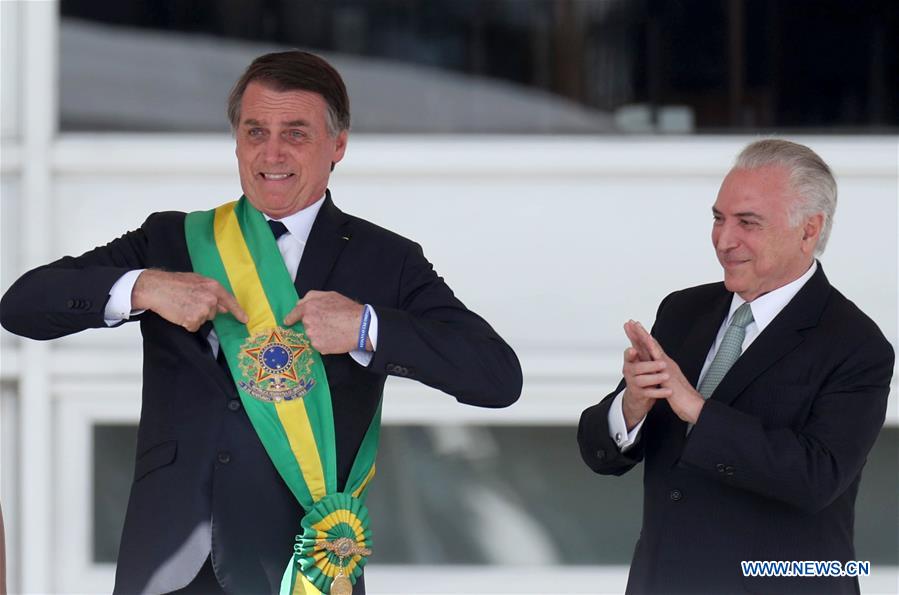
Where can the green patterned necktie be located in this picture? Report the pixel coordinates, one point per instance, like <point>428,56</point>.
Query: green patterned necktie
<point>730,349</point>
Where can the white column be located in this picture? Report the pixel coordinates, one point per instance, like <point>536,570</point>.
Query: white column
<point>38,102</point>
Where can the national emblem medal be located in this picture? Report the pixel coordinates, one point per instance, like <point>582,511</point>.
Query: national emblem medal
<point>276,365</point>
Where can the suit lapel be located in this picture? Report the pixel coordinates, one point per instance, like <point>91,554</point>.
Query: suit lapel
<point>779,338</point>
<point>326,241</point>
<point>702,334</point>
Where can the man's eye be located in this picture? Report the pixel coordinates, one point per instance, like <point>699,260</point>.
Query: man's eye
<point>296,134</point>
<point>255,132</point>
<point>746,223</point>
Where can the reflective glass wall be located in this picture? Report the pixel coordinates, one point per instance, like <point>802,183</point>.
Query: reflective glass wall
<point>499,495</point>
<point>498,66</point>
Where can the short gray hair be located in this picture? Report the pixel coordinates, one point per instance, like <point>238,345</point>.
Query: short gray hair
<point>810,178</point>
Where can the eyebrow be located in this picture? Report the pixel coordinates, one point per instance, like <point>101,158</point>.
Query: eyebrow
<point>741,215</point>
<point>290,124</point>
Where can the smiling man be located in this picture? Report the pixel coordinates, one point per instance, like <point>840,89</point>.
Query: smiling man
<point>270,325</point>
<point>753,402</point>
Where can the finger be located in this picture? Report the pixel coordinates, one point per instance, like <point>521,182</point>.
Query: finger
<point>230,303</point>
<point>650,367</point>
<point>631,329</point>
<point>193,325</point>
<point>311,295</point>
<point>646,380</point>
<point>296,314</point>
<point>657,393</point>
<point>630,355</point>
<point>643,348</point>
<point>651,344</point>
<point>319,346</point>
<point>633,370</point>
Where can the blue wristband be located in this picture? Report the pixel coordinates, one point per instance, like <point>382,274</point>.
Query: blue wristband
<point>363,327</point>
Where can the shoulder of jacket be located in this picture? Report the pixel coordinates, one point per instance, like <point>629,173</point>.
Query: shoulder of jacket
<point>846,319</point>
<point>164,219</point>
<point>366,230</point>
<point>694,296</point>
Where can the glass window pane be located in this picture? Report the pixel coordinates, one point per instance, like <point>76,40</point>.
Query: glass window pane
<point>114,449</point>
<point>500,495</point>
<point>497,66</point>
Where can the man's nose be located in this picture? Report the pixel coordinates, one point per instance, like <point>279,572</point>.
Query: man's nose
<point>726,237</point>
<point>274,149</point>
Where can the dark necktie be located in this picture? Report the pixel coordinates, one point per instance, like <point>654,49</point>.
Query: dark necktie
<point>278,228</point>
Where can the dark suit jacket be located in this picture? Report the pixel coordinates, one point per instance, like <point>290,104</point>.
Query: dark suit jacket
<point>201,474</point>
<point>771,469</point>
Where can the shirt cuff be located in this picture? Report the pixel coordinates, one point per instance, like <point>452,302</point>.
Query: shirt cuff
<point>624,440</point>
<point>362,357</point>
<point>118,308</point>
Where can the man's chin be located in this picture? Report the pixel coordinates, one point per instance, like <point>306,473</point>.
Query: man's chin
<point>275,206</point>
<point>732,283</point>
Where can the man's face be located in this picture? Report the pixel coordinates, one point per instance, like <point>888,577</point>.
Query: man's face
<point>284,150</point>
<point>754,241</point>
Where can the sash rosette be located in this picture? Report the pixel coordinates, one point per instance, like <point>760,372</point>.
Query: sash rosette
<point>335,540</point>
<point>283,387</point>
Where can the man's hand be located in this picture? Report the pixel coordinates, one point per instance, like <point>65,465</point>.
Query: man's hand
<point>642,381</point>
<point>331,321</point>
<point>684,400</point>
<point>642,377</point>
<point>185,299</point>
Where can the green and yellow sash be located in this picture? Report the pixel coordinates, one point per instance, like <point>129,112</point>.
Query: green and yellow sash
<point>284,389</point>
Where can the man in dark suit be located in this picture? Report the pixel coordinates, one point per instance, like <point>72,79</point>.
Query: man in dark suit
<point>208,511</point>
<point>762,459</point>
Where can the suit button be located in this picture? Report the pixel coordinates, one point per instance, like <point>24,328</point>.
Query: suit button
<point>720,467</point>
<point>234,404</point>
<point>601,455</point>
<point>729,470</point>
<point>224,457</point>
<point>675,495</point>
<point>70,304</point>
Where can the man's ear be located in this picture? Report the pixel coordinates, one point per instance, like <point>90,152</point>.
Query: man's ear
<point>339,147</point>
<point>811,231</point>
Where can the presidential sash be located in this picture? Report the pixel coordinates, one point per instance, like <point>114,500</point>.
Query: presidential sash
<point>284,390</point>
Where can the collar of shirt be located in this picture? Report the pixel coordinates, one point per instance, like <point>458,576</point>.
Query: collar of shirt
<point>766,307</point>
<point>300,223</point>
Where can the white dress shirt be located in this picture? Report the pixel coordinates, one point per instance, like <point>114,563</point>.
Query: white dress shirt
<point>291,245</point>
<point>764,309</point>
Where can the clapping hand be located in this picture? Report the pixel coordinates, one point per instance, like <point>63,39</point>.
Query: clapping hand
<point>651,364</point>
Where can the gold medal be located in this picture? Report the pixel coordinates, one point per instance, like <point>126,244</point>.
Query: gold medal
<point>341,585</point>
<point>343,548</point>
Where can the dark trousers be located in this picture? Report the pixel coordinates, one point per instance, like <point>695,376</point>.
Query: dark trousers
<point>205,583</point>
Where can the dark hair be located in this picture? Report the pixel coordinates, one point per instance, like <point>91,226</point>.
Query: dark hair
<point>295,70</point>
